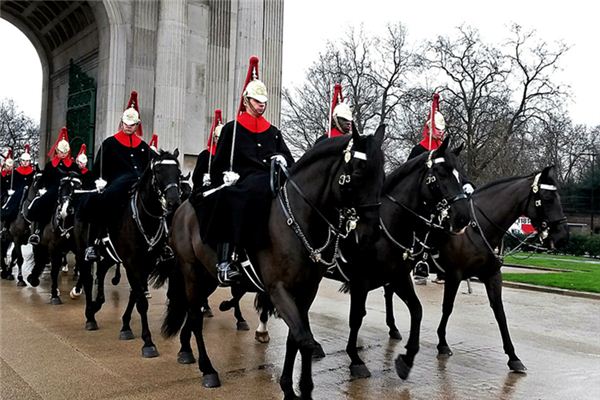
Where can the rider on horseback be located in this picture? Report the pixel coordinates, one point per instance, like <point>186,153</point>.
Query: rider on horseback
<point>60,165</point>
<point>22,177</point>
<point>433,136</point>
<point>201,175</point>
<point>237,213</point>
<point>119,163</point>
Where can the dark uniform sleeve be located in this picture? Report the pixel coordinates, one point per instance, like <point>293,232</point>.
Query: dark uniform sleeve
<point>220,161</point>
<point>283,149</point>
<point>97,162</point>
<point>416,151</point>
<point>201,168</point>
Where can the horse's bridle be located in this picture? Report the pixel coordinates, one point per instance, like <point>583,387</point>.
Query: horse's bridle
<point>347,216</point>
<point>162,230</point>
<point>61,212</point>
<point>544,223</point>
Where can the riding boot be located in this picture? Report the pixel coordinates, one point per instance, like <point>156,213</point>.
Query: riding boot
<point>34,239</point>
<point>226,269</point>
<point>421,272</point>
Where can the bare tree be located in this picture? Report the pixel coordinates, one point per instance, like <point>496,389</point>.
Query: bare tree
<point>373,71</point>
<point>17,129</point>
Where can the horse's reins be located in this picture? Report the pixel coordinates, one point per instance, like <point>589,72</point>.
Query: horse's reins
<point>162,230</point>
<point>60,211</point>
<point>534,192</point>
<point>346,214</point>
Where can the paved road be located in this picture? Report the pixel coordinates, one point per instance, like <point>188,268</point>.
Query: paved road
<point>46,354</point>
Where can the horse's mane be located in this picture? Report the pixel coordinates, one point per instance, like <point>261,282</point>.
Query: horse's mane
<point>504,180</point>
<point>322,149</point>
<point>402,171</point>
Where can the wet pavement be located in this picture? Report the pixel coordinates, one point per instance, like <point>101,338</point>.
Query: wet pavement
<point>45,353</point>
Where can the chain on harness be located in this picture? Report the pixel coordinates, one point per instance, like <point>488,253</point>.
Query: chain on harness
<point>347,216</point>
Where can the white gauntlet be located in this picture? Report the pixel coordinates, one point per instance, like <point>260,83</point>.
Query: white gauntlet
<point>468,188</point>
<point>42,191</point>
<point>11,192</point>
<point>230,178</point>
<point>279,159</point>
<point>206,179</point>
<point>100,184</point>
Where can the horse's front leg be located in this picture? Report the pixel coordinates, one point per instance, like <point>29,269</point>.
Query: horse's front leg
<point>237,293</point>
<point>17,259</point>
<point>86,280</point>
<point>139,288</point>
<point>493,287</point>
<point>358,299</point>
<point>185,354</point>
<point>406,291</point>
<point>388,295</point>
<point>450,290</point>
<point>262,332</point>
<point>40,255</point>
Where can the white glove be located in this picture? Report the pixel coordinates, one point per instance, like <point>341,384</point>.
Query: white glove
<point>100,184</point>
<point>230,178</point>
<point>11,192</point>
<point>468,188</point>
<point>280,159</point>
<point>206,180</point>
<point>42,191</point>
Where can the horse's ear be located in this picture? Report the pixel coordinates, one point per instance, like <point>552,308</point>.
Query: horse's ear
<point>548,173</point>
<point>458,149</point>
<point>355,134</point>
<point>176,153</point>
<point>379,135</point>
<point>444,146</point>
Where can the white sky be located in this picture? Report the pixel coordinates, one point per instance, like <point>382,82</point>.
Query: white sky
<point>310,23</point>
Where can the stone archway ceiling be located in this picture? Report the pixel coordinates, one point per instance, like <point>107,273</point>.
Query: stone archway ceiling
<point>54,22</point>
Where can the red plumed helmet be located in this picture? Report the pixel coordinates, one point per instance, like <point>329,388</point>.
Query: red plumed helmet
<point>133,103</point>
<point>251,75</point>
<point>433,131</point>
<point>214,132</point>
<point>337,97</point>
<point>62,143</point>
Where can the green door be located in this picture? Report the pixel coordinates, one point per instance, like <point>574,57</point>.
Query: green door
<point>81,110</point>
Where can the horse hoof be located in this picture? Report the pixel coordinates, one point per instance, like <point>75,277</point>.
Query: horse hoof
<point>91,326</point>
<point>149,352</point>
<point>21,283</point>
<point>126,335</point>
<point>75,293</point>
<point>56,301</point>
<point>185,357</point>
<point>444,351</point>
<point>10,277</point>
<point>395,334</point>
<point>3,274</point>
<point>242,326</point>
<point>359,371</point>
<point>402,368</point>
<point>33,281</point>
<point>262,337</point>
<point>207,313</point>
<point>211,380</point>
<point>318,352</point>
<point>516,366</point>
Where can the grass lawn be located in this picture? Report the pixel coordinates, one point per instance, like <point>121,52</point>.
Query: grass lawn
<point>580,273</point>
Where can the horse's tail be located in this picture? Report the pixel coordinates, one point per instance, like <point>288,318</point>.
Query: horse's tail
<point>177,303</point>
<point>345,288</point>
<point>161,272</point>
<point>262,302</point>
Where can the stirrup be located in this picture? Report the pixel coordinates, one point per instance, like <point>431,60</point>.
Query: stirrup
<point>226,274</point>
<point>90,254</point>
<point>110,249</point>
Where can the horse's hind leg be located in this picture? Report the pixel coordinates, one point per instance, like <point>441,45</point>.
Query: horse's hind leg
<point>388,294</point>
<point>262,333</point>
<point>286,381</point>
<point>406,291</point>
<point>40,255</point>
<point>241,323</point>
<point>450,290</point>
<point>18,260</point>
<point>185,354</point>
<point>493,286</point>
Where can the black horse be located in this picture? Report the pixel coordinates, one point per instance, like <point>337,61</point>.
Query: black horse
<point>138,235</point>
<point>422,195</point>
<point>312,207</point>
<point>494,208</point>
<point>18,233</point>
<point>57,238</point>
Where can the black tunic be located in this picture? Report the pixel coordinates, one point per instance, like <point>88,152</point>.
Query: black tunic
<point>238,214</point>
<point>21,182</point>
<point>120,161</point>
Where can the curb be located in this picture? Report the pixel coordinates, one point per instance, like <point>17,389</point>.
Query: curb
<point>546,289</point>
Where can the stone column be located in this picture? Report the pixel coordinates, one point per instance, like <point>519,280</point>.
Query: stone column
<point>169,107</point>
